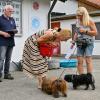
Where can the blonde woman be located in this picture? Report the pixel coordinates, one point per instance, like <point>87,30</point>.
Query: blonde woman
<point>34,64</point>
<point>84,38</point>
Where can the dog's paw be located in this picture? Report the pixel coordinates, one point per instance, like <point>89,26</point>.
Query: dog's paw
<point>74,87</point>
<point>86,89</point>
<point>64,95</point>
<point>56,95</point>
<point>93,88</point>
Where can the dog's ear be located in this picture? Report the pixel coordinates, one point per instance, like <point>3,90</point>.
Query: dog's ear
<point>68,78</point>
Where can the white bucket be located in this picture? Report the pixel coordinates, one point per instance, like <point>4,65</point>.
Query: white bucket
<point>53,64</point>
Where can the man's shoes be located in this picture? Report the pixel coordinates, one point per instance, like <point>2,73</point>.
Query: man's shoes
<point>8,76</point>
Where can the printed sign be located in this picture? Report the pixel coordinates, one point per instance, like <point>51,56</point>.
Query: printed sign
<point>35,23</point>
<point>35,5</point>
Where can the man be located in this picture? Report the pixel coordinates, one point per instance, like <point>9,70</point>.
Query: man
<point>7,32</point>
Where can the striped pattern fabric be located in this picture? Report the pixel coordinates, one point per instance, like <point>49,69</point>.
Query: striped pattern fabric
<point>33,63</point>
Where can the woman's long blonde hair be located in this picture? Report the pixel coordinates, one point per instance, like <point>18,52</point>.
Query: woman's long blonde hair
<point>83,11</point>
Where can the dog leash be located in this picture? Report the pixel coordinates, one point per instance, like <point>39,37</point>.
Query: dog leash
<point>67,63</point>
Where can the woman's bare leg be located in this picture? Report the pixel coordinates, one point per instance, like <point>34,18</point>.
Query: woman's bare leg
<point>89,64</point>
<point>80,65</point>
<point>39,82</point>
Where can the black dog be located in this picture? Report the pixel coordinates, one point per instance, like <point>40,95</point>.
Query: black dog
<point>83,79</point>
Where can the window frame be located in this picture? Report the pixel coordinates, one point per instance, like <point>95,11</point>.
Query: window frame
<point>98,31</point>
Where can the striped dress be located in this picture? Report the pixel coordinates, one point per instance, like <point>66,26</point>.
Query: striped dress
<point>33,63</point>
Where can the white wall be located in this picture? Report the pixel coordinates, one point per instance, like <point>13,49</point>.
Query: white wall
<point>71,6</point>
<point>66,7</point>
<point>27,14</point>
<point>59,7</point>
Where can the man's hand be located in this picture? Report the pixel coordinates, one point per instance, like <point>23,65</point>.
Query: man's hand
<point>5,34</point>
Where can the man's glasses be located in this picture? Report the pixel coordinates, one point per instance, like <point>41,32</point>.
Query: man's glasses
<point>11,11</point>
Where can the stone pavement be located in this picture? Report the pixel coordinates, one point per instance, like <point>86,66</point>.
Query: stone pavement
<point>23,88</point>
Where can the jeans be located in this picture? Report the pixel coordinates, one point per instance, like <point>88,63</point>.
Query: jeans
<point>87,51</point>
<point>5,58</point>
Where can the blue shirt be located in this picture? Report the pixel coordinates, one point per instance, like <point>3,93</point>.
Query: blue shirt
<point>5,26</point>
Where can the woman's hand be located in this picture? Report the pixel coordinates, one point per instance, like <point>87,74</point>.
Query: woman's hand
<point>46,37</point>
<point>54,43</point>
<point>82,30</point>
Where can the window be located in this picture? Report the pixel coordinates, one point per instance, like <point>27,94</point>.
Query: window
<point>17,4</point>
<point>98,29</point>
<point>73,29</point>
<point>55,24</point>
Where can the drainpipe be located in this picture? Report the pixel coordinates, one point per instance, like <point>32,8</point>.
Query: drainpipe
<point>49,13</point>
